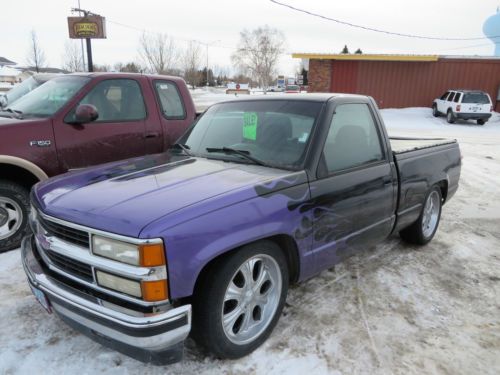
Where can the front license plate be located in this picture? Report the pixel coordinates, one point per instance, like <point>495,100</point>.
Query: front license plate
<point>42,298</point>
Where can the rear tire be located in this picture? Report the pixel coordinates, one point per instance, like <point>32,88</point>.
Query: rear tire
<point>481,122</point>
<point>424,229</point>
<point>240,299</point>
<point>435,111</point>
<point>14,212</point>
<point>450,117</point>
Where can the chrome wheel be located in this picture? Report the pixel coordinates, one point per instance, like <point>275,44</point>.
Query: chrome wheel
<point>251,299</point>
<point>11,217</point>
<point>430,214</point>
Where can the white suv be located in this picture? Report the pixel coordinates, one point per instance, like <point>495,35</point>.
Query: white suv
<point>464,104</point>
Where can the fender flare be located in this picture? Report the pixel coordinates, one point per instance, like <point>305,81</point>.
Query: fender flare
<point>24,164</point>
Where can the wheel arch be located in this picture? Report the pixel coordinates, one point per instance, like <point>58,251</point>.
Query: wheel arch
<point>285,242</point>
<point>443,186</point>
<point>26,173</point>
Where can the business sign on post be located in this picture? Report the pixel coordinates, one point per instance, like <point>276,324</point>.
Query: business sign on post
<point>93,27</point>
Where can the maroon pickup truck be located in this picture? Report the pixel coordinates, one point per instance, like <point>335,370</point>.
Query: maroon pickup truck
<point>78,120</point>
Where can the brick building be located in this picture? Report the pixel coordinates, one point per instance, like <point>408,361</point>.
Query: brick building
<point>397,81</point>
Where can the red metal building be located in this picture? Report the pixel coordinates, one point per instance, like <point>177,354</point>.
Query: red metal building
<point>397,81</point>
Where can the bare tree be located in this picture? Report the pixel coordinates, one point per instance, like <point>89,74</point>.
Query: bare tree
<point>72,58</point>
<point>258,53</point>
<point>36,57</point>
<point>159,52</point>
<point>130,67</point>
<point>102,68</point>
<point>191,61</point>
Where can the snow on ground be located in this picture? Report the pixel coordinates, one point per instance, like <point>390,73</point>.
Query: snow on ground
<point>393,309</point>
<point>206,96</point>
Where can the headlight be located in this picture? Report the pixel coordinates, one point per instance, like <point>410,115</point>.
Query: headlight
<point>117,250</point>
<point>119,283</point>
<point>145,255</point>
<point>142,255</point>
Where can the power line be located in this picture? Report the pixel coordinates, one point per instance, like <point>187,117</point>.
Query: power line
<point>373,29</point>
<point>142,30</point>
<point>472,46</point>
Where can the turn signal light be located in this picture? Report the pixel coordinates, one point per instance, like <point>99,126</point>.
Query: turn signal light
<point>458,108</point>
<point>152,255</point>
<point>153,291</point>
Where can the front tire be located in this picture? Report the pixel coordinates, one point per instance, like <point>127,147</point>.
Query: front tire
<point>481,122</point>
<point>450,117</point>
<point>14,212</point>
<point>240,300</point>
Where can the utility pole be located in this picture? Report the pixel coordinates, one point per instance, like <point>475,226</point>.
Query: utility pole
<point>206,45</point>
<point>86,13</point>
<point>81,44</point>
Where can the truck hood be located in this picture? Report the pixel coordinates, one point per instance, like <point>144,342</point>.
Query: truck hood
<point>126,196</point>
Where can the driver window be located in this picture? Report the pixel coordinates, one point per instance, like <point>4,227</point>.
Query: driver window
<point>353,138</point>
<point>117,100</point>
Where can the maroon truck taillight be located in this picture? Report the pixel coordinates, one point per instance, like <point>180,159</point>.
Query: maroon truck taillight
<point>458,108</point>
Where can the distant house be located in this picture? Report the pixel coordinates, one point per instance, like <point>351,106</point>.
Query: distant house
<point>6,62</point>
<point>42,70</point>
<point>11,75</point>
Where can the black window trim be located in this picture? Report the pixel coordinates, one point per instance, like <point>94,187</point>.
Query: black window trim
<point>444,96</point>
<point>160,104</point>
<point>65,120</point>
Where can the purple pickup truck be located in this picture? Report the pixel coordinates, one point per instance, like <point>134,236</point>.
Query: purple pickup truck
<point>206,238</point>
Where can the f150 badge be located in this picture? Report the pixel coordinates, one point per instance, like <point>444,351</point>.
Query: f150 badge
<point>46,143</point>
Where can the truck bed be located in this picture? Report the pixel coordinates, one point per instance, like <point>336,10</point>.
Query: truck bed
<point>400,145</point>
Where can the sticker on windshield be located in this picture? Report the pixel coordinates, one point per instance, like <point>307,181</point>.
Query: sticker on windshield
<point>250,120</point>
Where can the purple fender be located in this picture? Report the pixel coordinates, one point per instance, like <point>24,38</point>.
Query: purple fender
<point>278,207</point>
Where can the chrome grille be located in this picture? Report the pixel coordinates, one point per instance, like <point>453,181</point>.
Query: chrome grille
<point>75,236</point>
<point>70,265</point>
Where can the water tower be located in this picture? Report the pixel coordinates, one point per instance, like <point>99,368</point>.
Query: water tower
<point>491,29</point>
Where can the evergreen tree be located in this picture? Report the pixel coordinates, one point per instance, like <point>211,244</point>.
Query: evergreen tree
<point>345,50</point>
<point>358,51</point>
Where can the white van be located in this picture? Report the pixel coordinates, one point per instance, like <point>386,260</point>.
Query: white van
<point>464,104</point>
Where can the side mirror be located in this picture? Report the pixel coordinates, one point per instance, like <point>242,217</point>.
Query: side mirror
<point>86,113</point>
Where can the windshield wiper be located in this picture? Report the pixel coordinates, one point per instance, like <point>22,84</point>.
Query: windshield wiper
<point>182,147</point>
<point>17,114</point>
<point>244,153</point>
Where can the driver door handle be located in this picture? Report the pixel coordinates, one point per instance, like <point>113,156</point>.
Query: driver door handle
<point>151,135</point>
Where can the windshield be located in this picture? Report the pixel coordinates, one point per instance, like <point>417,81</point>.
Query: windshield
<point>476,98</point>
<point>21,89</point>
<point>274,132</point>
<point>48,98</point>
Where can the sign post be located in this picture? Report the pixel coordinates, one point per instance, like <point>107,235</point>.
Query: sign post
<point>90,26</point>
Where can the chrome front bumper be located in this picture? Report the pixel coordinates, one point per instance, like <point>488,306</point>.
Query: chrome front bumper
<point>156,338</point>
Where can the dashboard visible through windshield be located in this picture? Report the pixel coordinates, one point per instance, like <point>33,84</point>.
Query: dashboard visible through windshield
<point>47,99</point>
<point>274,133</point>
